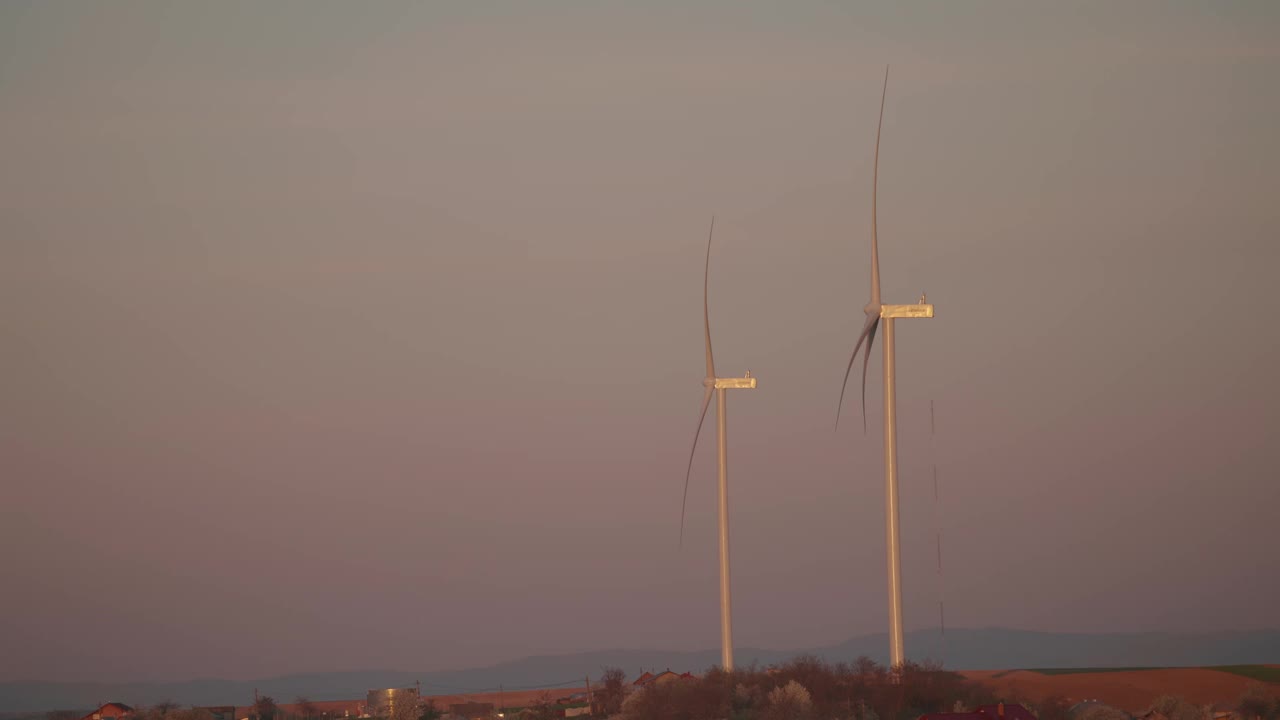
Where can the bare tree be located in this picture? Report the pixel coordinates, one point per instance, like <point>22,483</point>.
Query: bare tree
<point>1175,708</point>
<point>1053,707</point>
<point>1256,703</point>
<point>613,690</point>
<point>305,709</point>
<point>169,710</point>
<point>264,708</point>
<point>429,711</point>
<point>159,711</point>
<point>1102,712</point>
<point>542,709</point>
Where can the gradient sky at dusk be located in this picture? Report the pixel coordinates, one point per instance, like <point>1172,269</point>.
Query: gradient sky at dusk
<point>351,335</point>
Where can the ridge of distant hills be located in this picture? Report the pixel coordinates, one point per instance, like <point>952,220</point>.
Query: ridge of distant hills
<point>965,649</point>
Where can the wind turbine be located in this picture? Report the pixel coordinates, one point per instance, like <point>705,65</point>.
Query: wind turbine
<point>720,386</point>
<point>876,311</point>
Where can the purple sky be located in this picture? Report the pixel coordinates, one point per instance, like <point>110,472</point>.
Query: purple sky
<point>350,335</point>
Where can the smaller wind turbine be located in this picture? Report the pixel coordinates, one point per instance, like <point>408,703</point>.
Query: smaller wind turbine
<point>719,385</point>
<point>876,311</point>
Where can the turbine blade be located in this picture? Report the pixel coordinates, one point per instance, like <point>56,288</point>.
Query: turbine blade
<point>868,334</point>
<point>706,314</point>
<point>875,187</point>
<point>866,358</point>
<point>706,403</point>
<point>711,375</point>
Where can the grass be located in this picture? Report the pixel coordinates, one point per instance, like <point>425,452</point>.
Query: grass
<point>1074,671</point>
<point>1254,672</point>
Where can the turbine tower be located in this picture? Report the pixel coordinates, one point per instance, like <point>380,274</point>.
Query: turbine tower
<point>720,386</point>
<point>876,311</point>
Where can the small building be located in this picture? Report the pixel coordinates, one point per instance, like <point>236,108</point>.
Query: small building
<point>665,676</point>
<point>110,711</point>
<point>647,678</point>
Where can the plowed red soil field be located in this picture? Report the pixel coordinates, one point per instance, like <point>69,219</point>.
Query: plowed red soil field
<point>1131,690</point>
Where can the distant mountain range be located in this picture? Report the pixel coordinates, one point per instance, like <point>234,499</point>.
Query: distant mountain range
<point>968,649</point>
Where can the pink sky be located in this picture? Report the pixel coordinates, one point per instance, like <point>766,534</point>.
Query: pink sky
<point>343,338</point>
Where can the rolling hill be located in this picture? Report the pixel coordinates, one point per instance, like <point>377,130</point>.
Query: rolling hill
<point>968,649</point>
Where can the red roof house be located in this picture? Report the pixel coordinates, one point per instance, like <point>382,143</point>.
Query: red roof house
<point>109,711</point>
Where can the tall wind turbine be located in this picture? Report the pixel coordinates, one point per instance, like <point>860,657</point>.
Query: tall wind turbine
<point>876,311</point>
<point>720,386</point>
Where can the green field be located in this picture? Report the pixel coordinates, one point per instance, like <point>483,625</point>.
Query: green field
<point>1074,671</point>
<point>1256,672</point>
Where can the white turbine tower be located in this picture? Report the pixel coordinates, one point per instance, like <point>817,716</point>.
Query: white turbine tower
<point>876,311</point>
<point>719,385</point>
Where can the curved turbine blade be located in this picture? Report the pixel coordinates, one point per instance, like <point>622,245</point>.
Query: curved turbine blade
<point>706,314</point>
<point>711,375</point>
<point>706,403</point>
<point>869,335</point>
<point>866,358</point>
<point>875,185</point>
<point>873,308</point>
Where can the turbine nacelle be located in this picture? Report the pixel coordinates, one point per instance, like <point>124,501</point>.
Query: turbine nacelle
<point>919,310</point>
<point>740,383</point>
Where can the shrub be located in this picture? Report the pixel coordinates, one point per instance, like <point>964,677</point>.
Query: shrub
<point>788,702</point>
<point>1255,702</point>
<point>1101,712</point>
<point>1175,708</point>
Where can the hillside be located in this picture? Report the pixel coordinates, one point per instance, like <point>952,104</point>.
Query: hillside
<point>1131,690</point>
<point>972,649</point>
